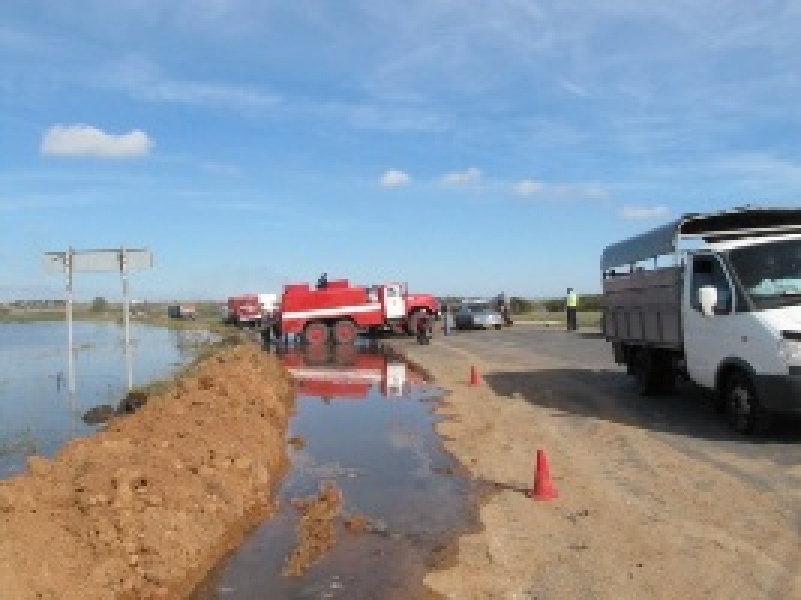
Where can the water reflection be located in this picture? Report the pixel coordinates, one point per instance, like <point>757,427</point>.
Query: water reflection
<point>386,459</point>
<point>348,371</point>
<point>38,413</point>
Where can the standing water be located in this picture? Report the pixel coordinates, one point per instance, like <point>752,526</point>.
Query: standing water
<point>37,415</point>
<point>364,422</point>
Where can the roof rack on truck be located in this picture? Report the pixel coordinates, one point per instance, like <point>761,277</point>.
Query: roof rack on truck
<point>732,224</point>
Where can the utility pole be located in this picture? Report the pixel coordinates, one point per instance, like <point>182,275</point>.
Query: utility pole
<point>127,315</point>
<point>70,348</point>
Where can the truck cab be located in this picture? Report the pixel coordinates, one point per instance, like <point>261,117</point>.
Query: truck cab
<point>726,314</point>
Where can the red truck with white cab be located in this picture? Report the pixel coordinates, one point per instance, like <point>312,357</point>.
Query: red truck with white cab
<point>338,311</point>
<point>244,310</point>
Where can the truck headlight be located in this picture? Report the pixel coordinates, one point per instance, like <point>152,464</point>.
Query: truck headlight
<point>790,351</point>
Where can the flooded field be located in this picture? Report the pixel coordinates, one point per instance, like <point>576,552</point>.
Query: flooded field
<point>37,416</point>
<point>364,424</point>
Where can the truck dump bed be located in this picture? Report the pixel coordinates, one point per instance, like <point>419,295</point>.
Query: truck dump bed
<point>644,307</point>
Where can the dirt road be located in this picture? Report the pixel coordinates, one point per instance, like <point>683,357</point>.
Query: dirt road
<point>658,499</point>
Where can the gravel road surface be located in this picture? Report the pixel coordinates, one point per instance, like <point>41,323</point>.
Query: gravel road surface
<point>658,498</point>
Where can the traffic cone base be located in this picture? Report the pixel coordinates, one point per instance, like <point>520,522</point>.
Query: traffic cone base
<point>474,380</point>
<point>543,486</point>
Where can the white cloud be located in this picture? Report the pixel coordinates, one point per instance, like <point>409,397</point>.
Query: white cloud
<point>561,192</point>
<point>395,178</point>
<point>36,202</point>
<point>192,92</point>
<point>631,212</point>
<point>469,177</point>
<point>762,167</point>
<point>221,169</point>
<point>527,187</point>
<point>575,89</point>
<point>85,140</point>
<point>143,79</point>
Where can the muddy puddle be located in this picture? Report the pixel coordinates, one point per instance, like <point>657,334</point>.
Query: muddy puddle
<point>38,415</point>
<point>363,430</point>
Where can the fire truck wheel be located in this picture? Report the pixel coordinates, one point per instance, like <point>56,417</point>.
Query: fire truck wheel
<point>344,332</point>
<point>413,319</point>
<point>316,333</point>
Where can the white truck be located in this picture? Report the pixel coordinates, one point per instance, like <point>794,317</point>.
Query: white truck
<point>725,312</point>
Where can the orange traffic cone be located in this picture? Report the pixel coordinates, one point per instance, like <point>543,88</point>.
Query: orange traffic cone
<point>474,376</point>
<point>543,487</point>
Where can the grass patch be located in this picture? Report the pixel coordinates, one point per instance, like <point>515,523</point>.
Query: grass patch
<point>22,444</point>
<point>585,318</point>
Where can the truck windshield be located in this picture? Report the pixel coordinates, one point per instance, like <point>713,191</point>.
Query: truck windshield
<point>770,273</point>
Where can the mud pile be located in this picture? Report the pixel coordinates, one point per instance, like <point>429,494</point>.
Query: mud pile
<point>315,530</point>
<point>146,507</point>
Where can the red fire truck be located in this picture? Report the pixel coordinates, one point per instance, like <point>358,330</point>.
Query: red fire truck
<point>244,310</point>
<point>347,372</point>
<point>340,310</point>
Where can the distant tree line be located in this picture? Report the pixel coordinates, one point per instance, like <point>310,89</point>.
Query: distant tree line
<point>39,304</point>
<point>586,303</point>
<point>518,305</point>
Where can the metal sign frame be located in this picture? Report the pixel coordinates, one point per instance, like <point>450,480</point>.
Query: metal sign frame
<point>121,259</point>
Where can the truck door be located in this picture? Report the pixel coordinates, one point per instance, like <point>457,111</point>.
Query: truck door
<point>394,306</point>
<point>708,340</point>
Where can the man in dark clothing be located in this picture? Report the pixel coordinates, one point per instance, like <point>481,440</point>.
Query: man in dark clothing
<point>322,283</point>
<point>503,309</point>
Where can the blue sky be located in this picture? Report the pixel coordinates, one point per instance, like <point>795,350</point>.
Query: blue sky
<point>463,147</point>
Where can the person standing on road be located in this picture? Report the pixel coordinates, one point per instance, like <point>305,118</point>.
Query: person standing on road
<point>504,309</point>
<point>571,305</point>
<point>446,322</point>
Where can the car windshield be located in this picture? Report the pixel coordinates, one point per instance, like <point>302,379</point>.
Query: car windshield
<point>479,307</point>
<point>770,273</point>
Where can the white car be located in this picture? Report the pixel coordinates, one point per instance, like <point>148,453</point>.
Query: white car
<point>477,315</point>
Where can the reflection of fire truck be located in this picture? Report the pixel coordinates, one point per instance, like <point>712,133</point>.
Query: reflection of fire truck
<point>340,310</point>
<point>346,371</point>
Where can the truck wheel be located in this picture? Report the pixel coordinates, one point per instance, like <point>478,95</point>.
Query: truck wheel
<point>316,334</point>
<point>644,372</point>
<point>742,405</point>
<point>345,332</point>
<point>411,327</point>
<point>653,372</point>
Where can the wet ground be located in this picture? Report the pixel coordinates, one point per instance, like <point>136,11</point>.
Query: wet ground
<point>37,415</point>
<point>364,422</point>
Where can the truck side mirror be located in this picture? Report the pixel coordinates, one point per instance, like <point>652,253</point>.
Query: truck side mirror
<point>708,299</point>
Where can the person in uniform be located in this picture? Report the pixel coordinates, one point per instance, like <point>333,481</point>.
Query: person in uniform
<point>571,304</point>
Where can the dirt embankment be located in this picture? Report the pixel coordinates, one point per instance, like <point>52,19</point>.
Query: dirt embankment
<point>144,508</point>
